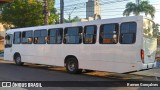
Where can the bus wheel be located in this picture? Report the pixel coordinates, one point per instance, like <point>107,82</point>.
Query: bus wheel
<point>72,66</point>
<point>18,60</point>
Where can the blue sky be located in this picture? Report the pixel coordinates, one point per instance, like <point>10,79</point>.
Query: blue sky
<point>109,8</point>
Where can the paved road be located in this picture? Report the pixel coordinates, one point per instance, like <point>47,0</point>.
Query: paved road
<point>10,72</point>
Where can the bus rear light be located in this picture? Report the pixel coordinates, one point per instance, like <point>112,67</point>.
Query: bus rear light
<point>142,55</point>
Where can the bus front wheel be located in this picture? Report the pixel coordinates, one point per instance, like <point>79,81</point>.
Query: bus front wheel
<point>72,66</point>
<point>18,60</point>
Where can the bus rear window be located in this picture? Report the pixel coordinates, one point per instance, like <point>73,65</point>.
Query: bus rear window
<point>128,33</point>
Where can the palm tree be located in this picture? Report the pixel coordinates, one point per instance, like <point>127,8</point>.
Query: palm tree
<point>136,9</point>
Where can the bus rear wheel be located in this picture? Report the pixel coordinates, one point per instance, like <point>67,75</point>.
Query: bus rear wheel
<point>18,60</point>
<point>72,66</point>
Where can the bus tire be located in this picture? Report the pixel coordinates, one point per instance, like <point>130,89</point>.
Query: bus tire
<point>18,60</point>
<point>72,66</point>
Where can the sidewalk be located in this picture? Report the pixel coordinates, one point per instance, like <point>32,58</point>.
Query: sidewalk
<point>1,58</point>
<point>151,72</point>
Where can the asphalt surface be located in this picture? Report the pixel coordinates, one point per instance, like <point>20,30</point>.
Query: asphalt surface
<point>31,72</point>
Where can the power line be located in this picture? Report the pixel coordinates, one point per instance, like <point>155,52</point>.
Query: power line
<point>82,4</point>
<point>113,2</point>
<point>91,11</point>
<point>73,4</point>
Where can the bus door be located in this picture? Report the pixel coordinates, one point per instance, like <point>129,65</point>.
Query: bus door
<point>8,47</point>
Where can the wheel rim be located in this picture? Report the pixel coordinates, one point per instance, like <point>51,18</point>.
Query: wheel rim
<point>18,59</point>
<point>71,66</point>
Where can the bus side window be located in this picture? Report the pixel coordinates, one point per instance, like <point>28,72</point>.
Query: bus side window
<point>109,33</point>
<point>8,41</point>
<point>128,33</point>
<point>27,37</point>
<point>55,36</point>
<point>73,35</point>
<point>40,36</point>
<point>17,38</point>
<point>90,33</point>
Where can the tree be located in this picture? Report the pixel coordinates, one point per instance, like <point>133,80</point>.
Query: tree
<point>75,19</point>
<point>156,29</point>
<point>136,9</point>
<point>27,13</point>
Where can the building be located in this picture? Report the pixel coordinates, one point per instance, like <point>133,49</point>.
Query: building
<point>2,34</point>
<point>93,10</point>
<point>1,43</point>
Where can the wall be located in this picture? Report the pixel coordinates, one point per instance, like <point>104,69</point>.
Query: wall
<point>2,44</point>
<point>2,33</point>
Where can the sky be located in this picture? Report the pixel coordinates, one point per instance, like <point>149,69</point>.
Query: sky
<point>109,8</point>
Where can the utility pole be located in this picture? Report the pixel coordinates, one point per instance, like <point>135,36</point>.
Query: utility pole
<point>45,12</point>
<point>62,11</point>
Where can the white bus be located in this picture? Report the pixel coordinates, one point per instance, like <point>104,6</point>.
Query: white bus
<point>115,45</point>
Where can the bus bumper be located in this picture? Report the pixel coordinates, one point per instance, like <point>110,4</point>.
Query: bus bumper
<point>148,66</point>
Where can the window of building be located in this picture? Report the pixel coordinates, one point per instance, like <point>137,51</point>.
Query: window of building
<point>108,33</point>
<point>27,37</point>
<point>89,36</point>
<point>73,35</point>
<point>55,36</point>
<point>40,36</point>
<point>128,33</point>
<point>17,38</point>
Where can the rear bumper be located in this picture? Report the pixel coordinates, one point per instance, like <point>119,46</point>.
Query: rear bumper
<point>146,66</point>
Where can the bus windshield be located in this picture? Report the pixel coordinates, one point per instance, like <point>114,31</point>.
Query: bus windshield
<point>148,27</point>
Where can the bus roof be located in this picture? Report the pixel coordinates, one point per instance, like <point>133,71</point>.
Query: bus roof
<point>94,22</point>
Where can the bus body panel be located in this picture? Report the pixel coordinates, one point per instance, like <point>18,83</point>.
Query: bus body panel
<point>104,57</point>
<point>150,46</point>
